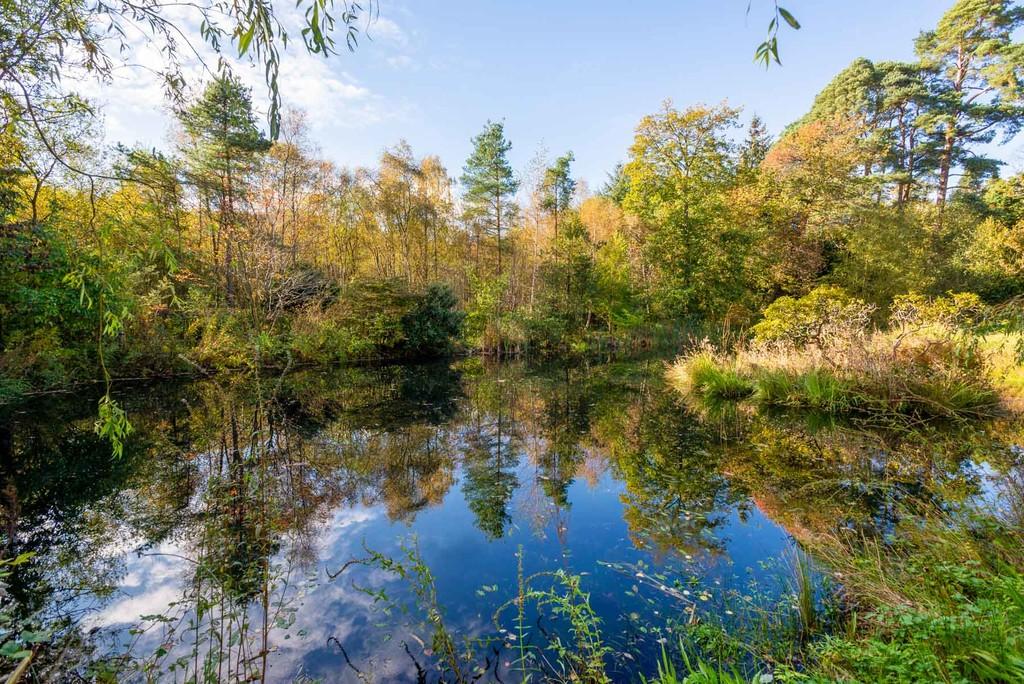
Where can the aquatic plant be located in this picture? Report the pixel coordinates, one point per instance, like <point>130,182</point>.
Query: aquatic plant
<point>693,670</point>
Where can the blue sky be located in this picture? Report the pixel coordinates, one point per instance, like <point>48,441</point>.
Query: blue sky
<point>566,74</point>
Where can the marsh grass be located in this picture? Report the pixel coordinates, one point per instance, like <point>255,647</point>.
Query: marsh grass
<point>888,376</point>
<point>709,376</point>
<point>804,589</point>
<point>936,357</point>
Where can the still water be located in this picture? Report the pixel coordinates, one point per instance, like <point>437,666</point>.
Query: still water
<point>335,526</point>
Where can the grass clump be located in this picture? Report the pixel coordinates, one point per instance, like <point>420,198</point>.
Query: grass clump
<point>692,670</point>
<point>710,376</point>
<point>821,390</point>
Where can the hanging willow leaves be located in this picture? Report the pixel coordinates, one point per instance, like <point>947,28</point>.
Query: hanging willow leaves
<point>768,51</point>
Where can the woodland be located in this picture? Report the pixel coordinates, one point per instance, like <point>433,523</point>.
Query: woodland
<point>866,262</point>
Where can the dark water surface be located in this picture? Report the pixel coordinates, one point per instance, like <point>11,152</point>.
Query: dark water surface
<point>221,542</point>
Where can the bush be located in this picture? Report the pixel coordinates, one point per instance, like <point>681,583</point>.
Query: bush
<point>993,259</point>
<point>433,323</point>
<point>378,319</point>
<point>489,327</point>
<point>956,310</point>
<point>825,312</point>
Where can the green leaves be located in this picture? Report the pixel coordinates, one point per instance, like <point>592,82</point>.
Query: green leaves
<point>113,424</point>
<point>13,650</point>
<point>558,185</point>
<point>245,39</point>
<point>789,18</point>
<point>768,51</point>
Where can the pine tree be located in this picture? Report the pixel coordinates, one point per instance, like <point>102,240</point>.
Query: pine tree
<point>973,68</point>
<point>490,183</point>
<point>903,99</point>
<point>886,100</point>
<point>616,186</point>
<point>224,150</point>
<point>756,145</point>
<point>557,187</point>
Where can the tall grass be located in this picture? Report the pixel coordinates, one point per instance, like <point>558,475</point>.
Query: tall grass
<point>804,590</point>
<point>884,376</point>
<point>709,375</point>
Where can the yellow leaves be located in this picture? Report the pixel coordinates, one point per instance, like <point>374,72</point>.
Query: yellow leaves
<point>996,251</point>
<point>601,217</point>
<point>814,175</point>
<point>826,150</point>
<point>677,141</point>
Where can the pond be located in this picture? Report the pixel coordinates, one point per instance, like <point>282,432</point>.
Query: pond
<point>381,524</point>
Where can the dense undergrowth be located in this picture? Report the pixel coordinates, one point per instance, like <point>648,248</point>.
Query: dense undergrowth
<point>942,601</point>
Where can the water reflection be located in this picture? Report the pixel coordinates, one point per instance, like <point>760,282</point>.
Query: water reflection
<point>208,551</point>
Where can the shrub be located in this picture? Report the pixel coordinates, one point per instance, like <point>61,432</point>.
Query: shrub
<point>954,311</point>
<point>993,259</point>
<point>378,319</point>
<point>433,323</point>
<point>824,313</point>
<point>220,341</point>
<point>483,314</point>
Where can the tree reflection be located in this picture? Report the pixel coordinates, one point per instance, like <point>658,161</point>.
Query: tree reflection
<point>676,496</point>
<point>815,481</point>
<point>492,443</point>
<point>237,481</point>
<point>565,423</point>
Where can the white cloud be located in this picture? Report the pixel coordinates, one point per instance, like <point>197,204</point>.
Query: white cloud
<point>402,62</point>
<point>129,610</point>
<point>385,30</point>
<point>135,108</point>
<point>328,95</point>
<point>152,584</point>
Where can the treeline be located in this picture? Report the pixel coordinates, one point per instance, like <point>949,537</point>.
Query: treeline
<point>236,251</point>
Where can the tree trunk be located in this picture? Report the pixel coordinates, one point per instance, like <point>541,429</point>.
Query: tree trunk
<point>497,207</point>
<point>945,163</point>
